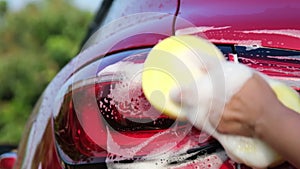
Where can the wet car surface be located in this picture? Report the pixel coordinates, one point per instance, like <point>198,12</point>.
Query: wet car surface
<point>94,113</point>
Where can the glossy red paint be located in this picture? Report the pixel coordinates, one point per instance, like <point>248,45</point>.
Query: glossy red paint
<point>45,155</point>
<point>43,113</point>
<point>8,160</point>
<point>248,23</point>
<point>85,126</point>
<point>283,65</point>
<point>245,23</point>
<point>130,7</point>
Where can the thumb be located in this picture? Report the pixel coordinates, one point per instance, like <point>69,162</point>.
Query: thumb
<point>214,118</point>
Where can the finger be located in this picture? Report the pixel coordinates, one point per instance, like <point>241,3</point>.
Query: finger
<point>230,122</point>
<point>214,119</point>
<point>234,128</point>
<point>227,115</point>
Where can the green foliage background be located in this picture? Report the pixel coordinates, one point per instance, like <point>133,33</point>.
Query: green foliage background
<point>36,42</point>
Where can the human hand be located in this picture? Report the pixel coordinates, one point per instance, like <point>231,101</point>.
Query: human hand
<point>250,105</point>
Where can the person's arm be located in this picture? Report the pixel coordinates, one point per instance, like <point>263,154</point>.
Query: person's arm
<point>255,111</point>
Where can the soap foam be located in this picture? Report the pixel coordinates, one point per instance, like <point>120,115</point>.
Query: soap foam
<point>126,95</point>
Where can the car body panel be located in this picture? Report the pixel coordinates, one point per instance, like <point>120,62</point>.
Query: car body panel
<point>255,23</point>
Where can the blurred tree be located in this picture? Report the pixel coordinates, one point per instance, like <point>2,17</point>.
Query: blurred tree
<point>3,7</point>
<point>36,42</point>
<point>3,10</point>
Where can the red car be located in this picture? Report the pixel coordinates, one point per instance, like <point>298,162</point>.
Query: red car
<point>94,113</point>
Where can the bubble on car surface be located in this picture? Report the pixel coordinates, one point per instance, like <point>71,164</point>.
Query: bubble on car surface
<point>119,153</point>
<point>126,97</point>
<point>171,160</point>
<point>126,94</point>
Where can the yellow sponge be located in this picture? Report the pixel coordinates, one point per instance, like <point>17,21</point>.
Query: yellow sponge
<point>174,62</point>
